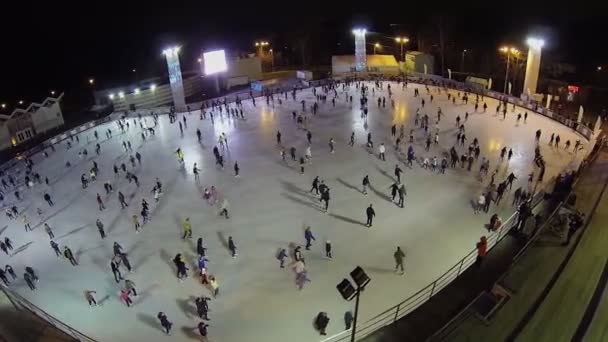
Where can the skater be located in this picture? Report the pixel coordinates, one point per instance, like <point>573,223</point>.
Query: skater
<point>370,215</point>
<point>398,173</point>
<point>279,138</point>
<point>114,263</point>
<point>200,249</point>
<point>224,208</point>
<point>121,199</point>
<point>321,322</point>
<point>292,152</point>
<point>55,247</point>
<point>281,256</point>
<point>351,142</point>
<point>315,185</point>
<point>195,171</point>
<point>136,223</point>
<point>130,286</point>
<point>402,193</point>
<point>232,247</point>
<point>28,279</point>
<point>187,229</point>
<point>399,255</point>
<point>100,228</point>
<point>236,169</point>
<point>9,269</point>
<point>89,295</point>
<point>3,278</point>
<point>48,200</point>
<point>202,308</point>
<point>164,322</point>
<point>100,203</point>
<point>328,249</point>
<point>365,184</point>
<point>67,253</point>
<point>180,264</point>
<point>116,248</point>
<point>381,150</point>
<point>124,296</point>
<point>309,237</point>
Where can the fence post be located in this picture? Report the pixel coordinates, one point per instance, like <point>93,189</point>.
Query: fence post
<point>433,289</point>
<point>397,313</point>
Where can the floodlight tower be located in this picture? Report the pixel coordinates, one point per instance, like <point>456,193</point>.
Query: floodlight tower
<point>533,65</point>
<point>360,55</point>
<point>175,78</point>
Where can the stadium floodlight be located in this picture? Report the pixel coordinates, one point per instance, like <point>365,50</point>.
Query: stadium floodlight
<point>171,51</point>
<point>121,94</point>
<point>111,96</point>
<point>359,31</point>
<point>536,43</point>
<point>136,91</point>
<point>153,87</point>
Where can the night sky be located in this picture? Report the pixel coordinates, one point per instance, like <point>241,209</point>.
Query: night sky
<point>55,46</point>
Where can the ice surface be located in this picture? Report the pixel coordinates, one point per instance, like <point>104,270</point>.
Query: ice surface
<point>270,206</point>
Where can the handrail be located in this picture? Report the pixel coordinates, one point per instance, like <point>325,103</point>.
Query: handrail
<point>25,304</point>
<point>421,296</point>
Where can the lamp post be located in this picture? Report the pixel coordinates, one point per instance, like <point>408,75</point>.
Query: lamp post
<point>401,41</point>
<point>271,60</point>
<point>348,292</point>
<point>261,45</point>
<point>462,60</point>
<point>509,51</point>
<point>376,46</point>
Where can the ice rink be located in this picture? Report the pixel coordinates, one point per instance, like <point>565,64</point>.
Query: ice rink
<point>270,205</point>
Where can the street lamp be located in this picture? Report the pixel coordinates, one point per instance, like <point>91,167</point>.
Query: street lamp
<point>599,68</point>
<point>91,81</point>
<point>261,45</point>
<point>509,51</point>
<point>462,60</point>
<point>271,60</point>
<point>348,292</point>
<point>53,92</point>
<point>3,105</point>
<point>401,41</point>
<point>376,46</point>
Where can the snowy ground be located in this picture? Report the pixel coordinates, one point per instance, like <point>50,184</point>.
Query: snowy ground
<point>270,205</point>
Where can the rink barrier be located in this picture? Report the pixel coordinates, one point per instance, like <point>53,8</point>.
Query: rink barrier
<point>21,303</point>
<point>410,304</point>
<point>531,241</point>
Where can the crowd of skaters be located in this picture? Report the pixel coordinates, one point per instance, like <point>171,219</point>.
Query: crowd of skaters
<point>419,134</point>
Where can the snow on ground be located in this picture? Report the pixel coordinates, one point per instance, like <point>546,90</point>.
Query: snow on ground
<point>270,206</point>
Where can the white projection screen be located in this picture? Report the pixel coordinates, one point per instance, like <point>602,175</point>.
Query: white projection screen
<point>215,61</point>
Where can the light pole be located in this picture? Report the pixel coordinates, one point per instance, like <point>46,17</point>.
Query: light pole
<point>376,46</point>
<point>462,60</point>
<point>509,51</point>
<point>401,41</point>
<point>261,45</point>
<point>348,292</point>
<point>271,60</point>
<point>535,46</point>
<point>360,52</point>
<point>92,84</point>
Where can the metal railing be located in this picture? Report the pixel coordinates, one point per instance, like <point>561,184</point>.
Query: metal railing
<point>410,304</point>
<point>21,303</point>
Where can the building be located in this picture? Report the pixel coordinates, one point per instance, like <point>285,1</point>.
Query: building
<point>24,124</point>
<point>150,93</point>
<point>384,64</point>
<point>415,61</point>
